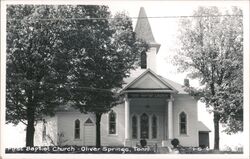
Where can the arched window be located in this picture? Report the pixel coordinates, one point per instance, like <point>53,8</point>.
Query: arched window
<point>112,122</point>
<point>134,127</point>
<point>154,127</point>
<point>143,60</point>
<point>77,129</point>
<point>183,123</point>
<point>144,126</point>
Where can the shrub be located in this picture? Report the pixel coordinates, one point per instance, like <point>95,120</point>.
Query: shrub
<point>143,142</point>
<point>175,142</point>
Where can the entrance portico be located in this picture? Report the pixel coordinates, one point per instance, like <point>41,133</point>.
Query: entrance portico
<point>148,110</point>
<point>148,116</point>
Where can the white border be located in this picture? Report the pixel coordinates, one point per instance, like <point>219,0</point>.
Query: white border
<point>244,4</point>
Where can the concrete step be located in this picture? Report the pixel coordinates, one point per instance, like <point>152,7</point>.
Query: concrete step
<point>164,150</point>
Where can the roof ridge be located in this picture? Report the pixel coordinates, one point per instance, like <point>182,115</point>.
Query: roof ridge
<point>156,76</point>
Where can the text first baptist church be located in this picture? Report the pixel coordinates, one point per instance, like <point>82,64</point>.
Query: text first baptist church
<point>154,108</point>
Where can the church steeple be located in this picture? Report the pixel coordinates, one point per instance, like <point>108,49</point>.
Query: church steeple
<point>143,28</point>
<point>143,31</point>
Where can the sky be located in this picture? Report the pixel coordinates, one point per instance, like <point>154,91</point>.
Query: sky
<point>165,33</point>
<point>165,30</point>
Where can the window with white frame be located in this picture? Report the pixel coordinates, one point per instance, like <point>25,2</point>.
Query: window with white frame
<point>183,123</point>
<point>77,129</point>
<point>112,122</point>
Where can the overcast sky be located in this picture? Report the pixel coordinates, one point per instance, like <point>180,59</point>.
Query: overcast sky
<point>165,30</point>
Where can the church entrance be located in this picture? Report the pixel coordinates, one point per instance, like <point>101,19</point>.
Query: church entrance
<point>148,110</point>
<point>144,122</point>
<point>148,118</point>
<point>89,133</point>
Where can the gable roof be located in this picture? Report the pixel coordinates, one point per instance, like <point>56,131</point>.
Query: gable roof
<point>157,83</point>
<point>202,127</point>
<point>88,121</point>
<point>178,87</point>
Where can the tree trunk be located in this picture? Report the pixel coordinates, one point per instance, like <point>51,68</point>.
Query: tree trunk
<point>216,131</point>
<point>30,131</point>
<point>216,122</point>
<point>98,129</point>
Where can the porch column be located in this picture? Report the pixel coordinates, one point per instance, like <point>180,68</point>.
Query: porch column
<point>127,116</point>
<point>170,119</point>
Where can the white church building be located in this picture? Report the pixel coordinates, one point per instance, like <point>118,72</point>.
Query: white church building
<point>154,108</point>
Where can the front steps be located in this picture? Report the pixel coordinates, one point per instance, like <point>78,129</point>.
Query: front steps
<point>158,146</point>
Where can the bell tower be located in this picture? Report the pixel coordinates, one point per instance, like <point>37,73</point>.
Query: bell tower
<point>144,32</point>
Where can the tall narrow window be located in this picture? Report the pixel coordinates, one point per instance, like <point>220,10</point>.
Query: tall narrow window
<point>183,123</point>
<point>44,131</point>
<point>77,129</point>
<point>134,127</point>
<point>144,126</point>
<point>154,127</point>
<point>143,60</point>
<point>112,122</point>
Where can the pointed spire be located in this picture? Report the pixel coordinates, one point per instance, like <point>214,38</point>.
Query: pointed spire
<point>143,28</point>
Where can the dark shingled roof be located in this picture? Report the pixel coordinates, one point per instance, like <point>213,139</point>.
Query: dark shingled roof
<point>143,29</point>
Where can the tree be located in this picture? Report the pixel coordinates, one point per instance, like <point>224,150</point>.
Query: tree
<point>104,51</point>
<point>212,51</point>
<point>36,67</point>
<point>57,54</point>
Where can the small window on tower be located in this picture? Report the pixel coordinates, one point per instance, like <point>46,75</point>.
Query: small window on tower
<point>143,60</point>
